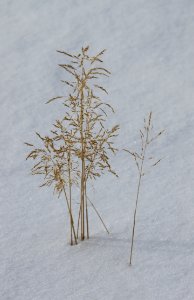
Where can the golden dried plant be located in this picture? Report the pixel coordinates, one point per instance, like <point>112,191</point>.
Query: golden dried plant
<point>79,147</point>
<point>146,137</point>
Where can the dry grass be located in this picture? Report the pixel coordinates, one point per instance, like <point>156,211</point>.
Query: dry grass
<point>146,138</point>
<point>78,148</point>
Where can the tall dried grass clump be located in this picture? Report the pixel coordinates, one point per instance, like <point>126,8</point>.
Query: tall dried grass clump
<point>146,138</point>
<point>79,146</point>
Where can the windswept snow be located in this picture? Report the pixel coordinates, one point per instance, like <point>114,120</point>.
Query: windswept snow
<point>151,55</point>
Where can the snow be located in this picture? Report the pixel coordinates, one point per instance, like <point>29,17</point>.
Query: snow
<point>151,55</point>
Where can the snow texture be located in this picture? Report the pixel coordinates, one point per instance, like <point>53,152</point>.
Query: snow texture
<point>151,56</point>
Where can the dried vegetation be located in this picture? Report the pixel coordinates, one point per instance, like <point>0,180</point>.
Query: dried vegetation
<point>146,138</point>
<point>79,146</point>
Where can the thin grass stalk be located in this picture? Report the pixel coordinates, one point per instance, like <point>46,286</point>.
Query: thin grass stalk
<point>70,192</point>
<point>82,165</point>
<point>134,219</point>
<point>82,203</point>
<point>85,176</point>
<point>71,217</point>
<point>78,221</point>
<point>87,219</point>
<point>98,215</point>
<point>137,197</point>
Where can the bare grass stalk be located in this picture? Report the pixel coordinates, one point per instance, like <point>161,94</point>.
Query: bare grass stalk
<point>139,159</point>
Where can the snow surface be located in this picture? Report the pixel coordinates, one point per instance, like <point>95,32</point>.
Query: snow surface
<point>151,55</point>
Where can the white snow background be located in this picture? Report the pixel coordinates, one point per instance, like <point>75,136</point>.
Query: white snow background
<point>150,52</point>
